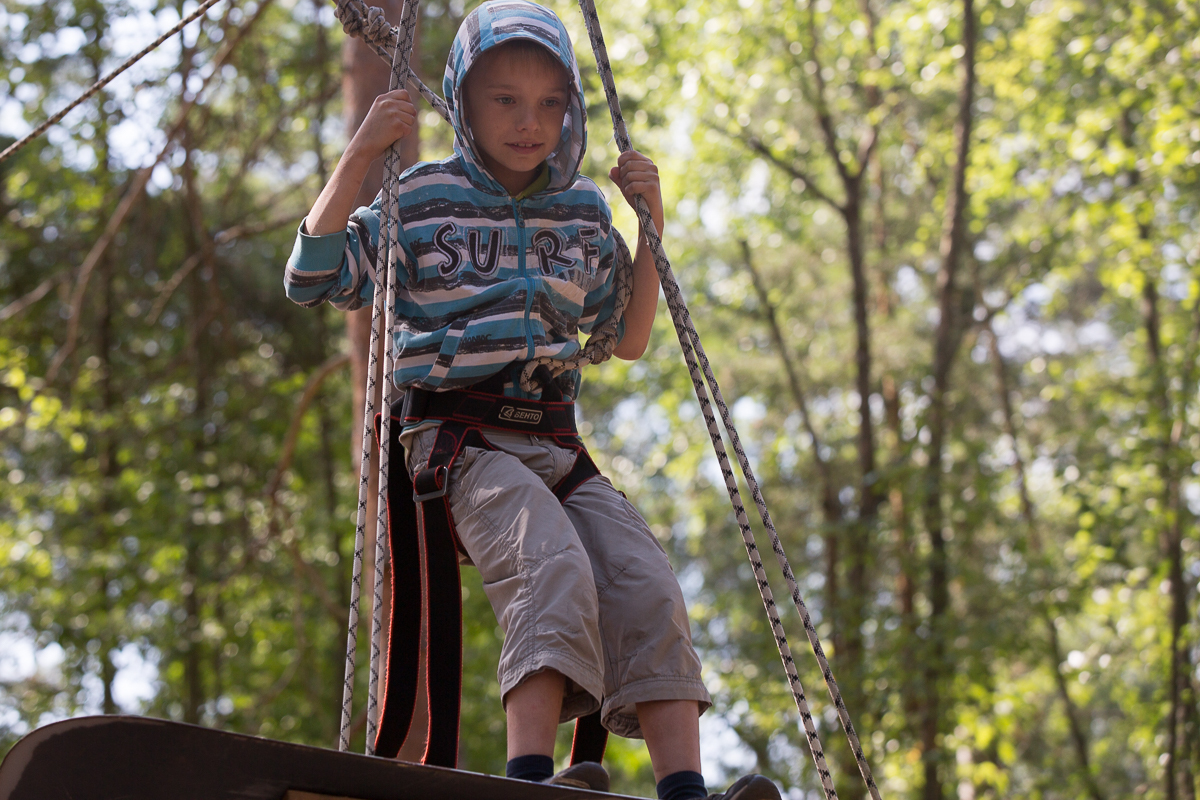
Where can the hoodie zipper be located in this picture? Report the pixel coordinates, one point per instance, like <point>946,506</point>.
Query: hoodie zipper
<point>525,276</point>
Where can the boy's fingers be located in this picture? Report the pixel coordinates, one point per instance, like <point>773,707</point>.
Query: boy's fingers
<point>640,170</point>
<point>634,159</point>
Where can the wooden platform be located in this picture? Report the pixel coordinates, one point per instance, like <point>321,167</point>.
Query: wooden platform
<point>138,758</point>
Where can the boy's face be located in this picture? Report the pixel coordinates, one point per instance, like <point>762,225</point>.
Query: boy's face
<point>515,106</point>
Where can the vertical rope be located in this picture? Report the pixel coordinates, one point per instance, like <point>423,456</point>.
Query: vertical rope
<point>383,305</point>
<point>701,374</point>
<point>405,35</point>
<point>364,480</point>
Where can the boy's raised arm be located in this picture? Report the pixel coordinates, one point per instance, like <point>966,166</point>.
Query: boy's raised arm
<point>636,174</point>
<point>390,119</point>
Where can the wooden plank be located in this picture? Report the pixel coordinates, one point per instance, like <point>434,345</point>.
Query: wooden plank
<point>151,759</point>
<point>292,794</point>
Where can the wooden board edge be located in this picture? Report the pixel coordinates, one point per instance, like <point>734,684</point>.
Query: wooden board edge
<point>296,794</point>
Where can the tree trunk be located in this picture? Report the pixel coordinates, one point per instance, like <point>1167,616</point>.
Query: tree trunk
<point>108,476</point>
<point>1177,771</point>
<point>948,337</point>
<point>1079,736</point>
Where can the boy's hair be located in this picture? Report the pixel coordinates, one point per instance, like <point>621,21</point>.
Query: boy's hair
<point>528,52</point>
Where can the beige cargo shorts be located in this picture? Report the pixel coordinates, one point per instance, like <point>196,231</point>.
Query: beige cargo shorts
<point>582,588</point>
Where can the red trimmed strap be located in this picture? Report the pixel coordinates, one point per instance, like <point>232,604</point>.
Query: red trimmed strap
<point>429,522</point>
<point>400,673</point>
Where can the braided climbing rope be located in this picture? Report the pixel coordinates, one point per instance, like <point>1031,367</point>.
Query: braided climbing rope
<point>388,264</point>
<point>364,480</point>
<point>603,341</point>
<point>689,341</point>
<point>405,36</point>
<point>92,90</point>
<point>369,24</point>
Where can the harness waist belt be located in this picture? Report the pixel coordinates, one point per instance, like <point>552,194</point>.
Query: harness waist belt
<point>483,410</point>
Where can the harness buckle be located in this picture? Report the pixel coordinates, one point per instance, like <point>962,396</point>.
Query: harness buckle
<point>439,480</point>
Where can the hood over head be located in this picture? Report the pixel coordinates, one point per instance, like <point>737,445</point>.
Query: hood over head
<point>495,23</point>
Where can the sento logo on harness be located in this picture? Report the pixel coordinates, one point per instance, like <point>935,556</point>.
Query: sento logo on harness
<point>524,416</point>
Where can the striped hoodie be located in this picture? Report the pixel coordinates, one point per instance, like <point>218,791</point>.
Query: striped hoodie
<point>486,280</point>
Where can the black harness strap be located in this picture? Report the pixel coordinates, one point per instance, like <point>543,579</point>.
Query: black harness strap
<point>419,519</point>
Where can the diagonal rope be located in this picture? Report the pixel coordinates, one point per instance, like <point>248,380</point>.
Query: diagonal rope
<point>106,80</point>
<point>369,24</point>
<point>603,341</point>
<point>698,366</point>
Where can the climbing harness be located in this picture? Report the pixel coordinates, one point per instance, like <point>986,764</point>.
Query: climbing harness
<point>420,520</point>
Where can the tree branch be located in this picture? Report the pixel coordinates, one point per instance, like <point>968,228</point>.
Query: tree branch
<point>821,105</point>
<point>306,397</point>
<point>830,504</point>
<point>134,194</point>
<point>758,146</point>
<point>285,459</point>
<point>20,304</point>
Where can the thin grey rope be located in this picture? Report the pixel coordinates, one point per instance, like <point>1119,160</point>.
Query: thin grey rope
<point>385,272</point>
<point>405,36</point>
<point>603,341</point>
<point>689,341</point>
<point>92,90</point>
<point>364,480</point>
<point>369,24</point>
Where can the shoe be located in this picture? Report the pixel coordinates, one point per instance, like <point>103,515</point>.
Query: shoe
<point>584,775</point>
<point>749,787</point>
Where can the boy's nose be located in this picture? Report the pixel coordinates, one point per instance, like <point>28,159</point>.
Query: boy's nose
<point>527,119</point>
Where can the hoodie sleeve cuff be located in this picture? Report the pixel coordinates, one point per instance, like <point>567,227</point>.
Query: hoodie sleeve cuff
<point>318,253</point>
<point>314,269</point>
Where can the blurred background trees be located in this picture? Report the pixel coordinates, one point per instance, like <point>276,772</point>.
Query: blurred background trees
<point>944,255</point>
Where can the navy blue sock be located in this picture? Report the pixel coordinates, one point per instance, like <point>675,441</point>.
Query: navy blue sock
<point>683,785</point>
<point>529,768</point>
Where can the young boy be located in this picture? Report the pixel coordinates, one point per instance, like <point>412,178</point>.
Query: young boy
<point>508,252</point>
